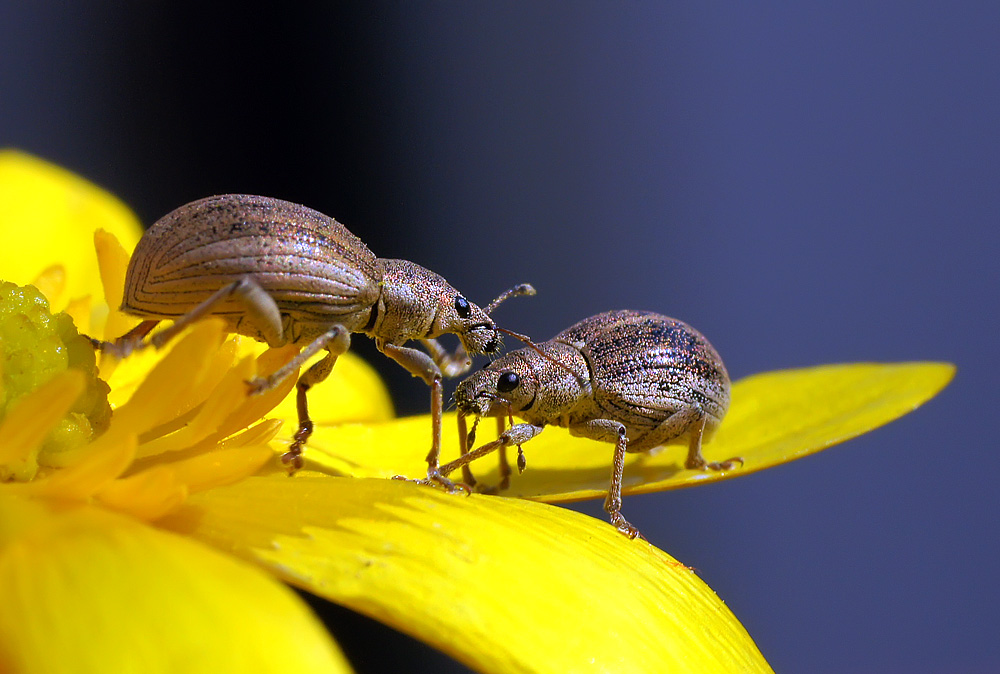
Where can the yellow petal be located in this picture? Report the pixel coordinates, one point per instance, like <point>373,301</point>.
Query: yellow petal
<point>101,462</point>
<point>221,466</point>
<point>112,261</point>
<point>502,585</point>
<point>131,373</point>
<point>146,495</point>
<point>774,417</point>
<point>79,310</point>
<point>254,407</point>
<point>33,416</point>
<point>52,283</point>
<point>160,397</point>
<point>228,391</point>
<point>155,491</point>
<point>85,590</point>
<point>352,393</point>
<point>48,215</point>
<point>30,420</point>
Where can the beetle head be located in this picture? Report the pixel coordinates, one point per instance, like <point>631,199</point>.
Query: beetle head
<point>420,304</point>
<point>506,384</point>
<point>474,328</point>
<point>540,384</point>
<point>481,334</point>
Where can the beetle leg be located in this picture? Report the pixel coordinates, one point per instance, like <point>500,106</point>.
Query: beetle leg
<point>690,420</point>
<point>465,443</point>
<point>129,342</point>
<point>504,465</point>
<point>451,364</point>
<point>419,364</point>
<point>696,461</point>
<point>518,434</point>
<point>336,341</point>
<point>259,308</point>
<point>613,503</point>
<point>608,430</point>
<point>437,411</point>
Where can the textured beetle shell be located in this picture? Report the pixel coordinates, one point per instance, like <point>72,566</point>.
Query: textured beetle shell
<point>644,367</point>
<point>198,248</point>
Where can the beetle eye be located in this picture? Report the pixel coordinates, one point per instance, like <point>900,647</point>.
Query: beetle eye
<point>462,307</point>
<point>508,382</point>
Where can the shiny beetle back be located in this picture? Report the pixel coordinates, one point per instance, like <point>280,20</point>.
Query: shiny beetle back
<point>310,264</point>
<point>645,366</point>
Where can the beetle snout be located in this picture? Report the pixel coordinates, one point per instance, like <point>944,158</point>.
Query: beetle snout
<point>469,400</point>
<point>482,338</point>
<point>481,405</point>
<point>493,345</point>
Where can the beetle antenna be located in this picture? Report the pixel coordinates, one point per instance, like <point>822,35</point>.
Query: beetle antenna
<point>534,347</point>
<point>520,290</point>
<point>472,434</point>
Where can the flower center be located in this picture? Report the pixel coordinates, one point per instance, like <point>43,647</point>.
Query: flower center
<point>35,347</point>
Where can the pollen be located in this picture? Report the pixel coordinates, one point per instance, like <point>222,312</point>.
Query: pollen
<point>35,347</point>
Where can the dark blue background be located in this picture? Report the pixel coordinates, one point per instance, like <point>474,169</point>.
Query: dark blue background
<point>804,184</point>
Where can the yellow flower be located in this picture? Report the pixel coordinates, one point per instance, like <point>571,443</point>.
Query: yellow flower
<point>158,545</point>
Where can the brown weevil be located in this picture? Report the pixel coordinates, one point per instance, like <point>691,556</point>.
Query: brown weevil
<point>633,378</point>
<point>282,274</point>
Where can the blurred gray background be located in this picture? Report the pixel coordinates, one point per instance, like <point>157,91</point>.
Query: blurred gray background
<point>804,183</point>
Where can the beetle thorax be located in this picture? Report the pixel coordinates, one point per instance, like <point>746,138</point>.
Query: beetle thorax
<point>563,386</point>
<point>408,302</point>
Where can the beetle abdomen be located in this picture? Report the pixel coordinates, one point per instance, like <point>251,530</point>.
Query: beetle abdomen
<point>645,366</point>
<point>308,262</point>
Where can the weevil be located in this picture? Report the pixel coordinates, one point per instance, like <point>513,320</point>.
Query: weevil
<point>281,273</point>
<point>633,378</point>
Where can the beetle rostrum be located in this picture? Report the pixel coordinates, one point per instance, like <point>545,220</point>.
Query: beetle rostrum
<point>282,274</point>
<point>636,379</point>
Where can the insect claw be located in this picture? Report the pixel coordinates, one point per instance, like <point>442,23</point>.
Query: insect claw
<point>436,479</point>
<point>626,528</point>
<point>292,460</point>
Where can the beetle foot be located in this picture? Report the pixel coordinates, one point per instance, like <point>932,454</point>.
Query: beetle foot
<point>292,460</point>
<point>699,463</point>
<point>489,490</point>
<point>120,348</point>
<point>455,365</point>
<point>625,527</point>
<point>728,464</point>
<point>436,479</point>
